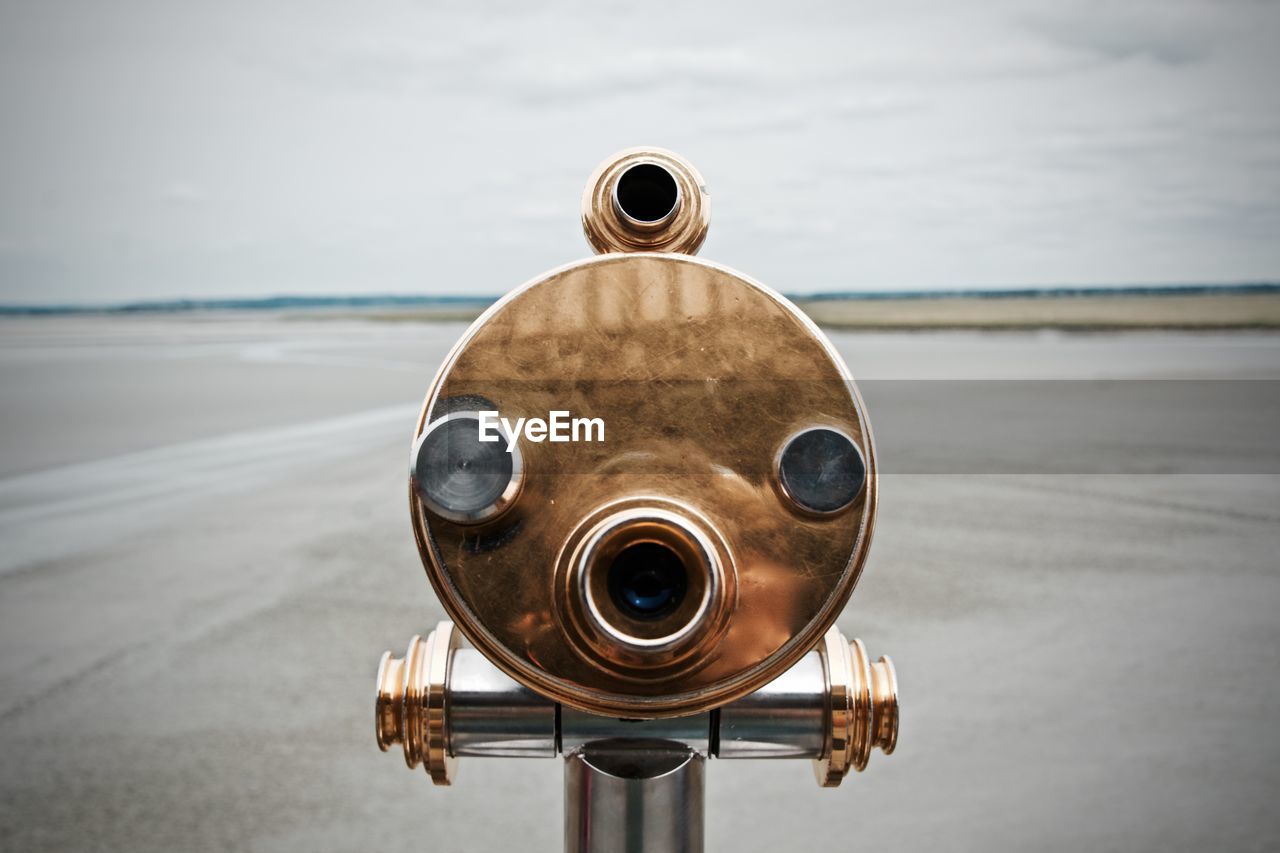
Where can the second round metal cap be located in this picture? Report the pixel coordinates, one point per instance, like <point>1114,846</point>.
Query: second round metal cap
<point>821,470</point>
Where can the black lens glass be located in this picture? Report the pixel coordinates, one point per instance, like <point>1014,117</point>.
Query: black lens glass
<point>647,192</point>
<point>647,580</point>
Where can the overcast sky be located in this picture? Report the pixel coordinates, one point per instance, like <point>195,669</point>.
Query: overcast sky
<point>247,147</point>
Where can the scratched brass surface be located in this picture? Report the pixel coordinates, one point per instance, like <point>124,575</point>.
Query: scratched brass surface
<point>699,375</point>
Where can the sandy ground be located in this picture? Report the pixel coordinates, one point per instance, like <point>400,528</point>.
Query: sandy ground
<point>206,548</point>
<point>1199,311</point>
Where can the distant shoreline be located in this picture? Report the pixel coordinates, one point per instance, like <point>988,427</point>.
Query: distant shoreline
<point>1157,311</point>
<point>1236,306</point>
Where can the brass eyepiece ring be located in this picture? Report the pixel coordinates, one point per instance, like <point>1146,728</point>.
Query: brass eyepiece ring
<point>644,586</point>
<point>620,534</point>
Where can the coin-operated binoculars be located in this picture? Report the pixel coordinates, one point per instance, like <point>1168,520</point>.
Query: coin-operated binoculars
<point>643,486</point>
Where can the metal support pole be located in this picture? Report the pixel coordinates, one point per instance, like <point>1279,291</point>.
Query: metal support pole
<point>634,797</point>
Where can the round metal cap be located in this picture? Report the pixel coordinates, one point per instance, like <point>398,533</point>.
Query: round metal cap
<point>460,477</point>
<point>821,470</point>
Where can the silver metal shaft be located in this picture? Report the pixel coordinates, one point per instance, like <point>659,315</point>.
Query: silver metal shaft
<point>490,715</point>
<point>634,797</point>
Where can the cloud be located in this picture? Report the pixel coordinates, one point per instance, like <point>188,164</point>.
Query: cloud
<point>185,193</point>
<point>845,142</point>
<point>1169,33</point>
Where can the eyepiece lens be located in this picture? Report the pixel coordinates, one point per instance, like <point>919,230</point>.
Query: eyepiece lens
<point>647,580</point>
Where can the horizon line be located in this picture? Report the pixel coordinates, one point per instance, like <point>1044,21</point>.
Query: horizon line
<point>392,300</point>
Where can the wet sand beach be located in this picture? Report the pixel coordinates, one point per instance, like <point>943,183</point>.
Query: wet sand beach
<point>205,548</point>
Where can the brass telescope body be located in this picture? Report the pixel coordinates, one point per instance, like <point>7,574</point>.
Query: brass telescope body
<point>696,549</point>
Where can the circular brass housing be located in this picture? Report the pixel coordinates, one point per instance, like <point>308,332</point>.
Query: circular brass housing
<point>699,375</point>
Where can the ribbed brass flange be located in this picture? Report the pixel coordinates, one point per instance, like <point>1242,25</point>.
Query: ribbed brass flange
<point>862,710</point>
<point>411,705</point>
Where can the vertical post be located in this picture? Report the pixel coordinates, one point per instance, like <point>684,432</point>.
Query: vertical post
<point>634,797</point>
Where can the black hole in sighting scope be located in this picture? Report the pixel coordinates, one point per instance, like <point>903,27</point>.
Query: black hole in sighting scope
<point>647,192</point>
<point>647,580</point>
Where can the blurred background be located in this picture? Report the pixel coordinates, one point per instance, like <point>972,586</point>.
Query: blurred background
<point>237,240</point>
